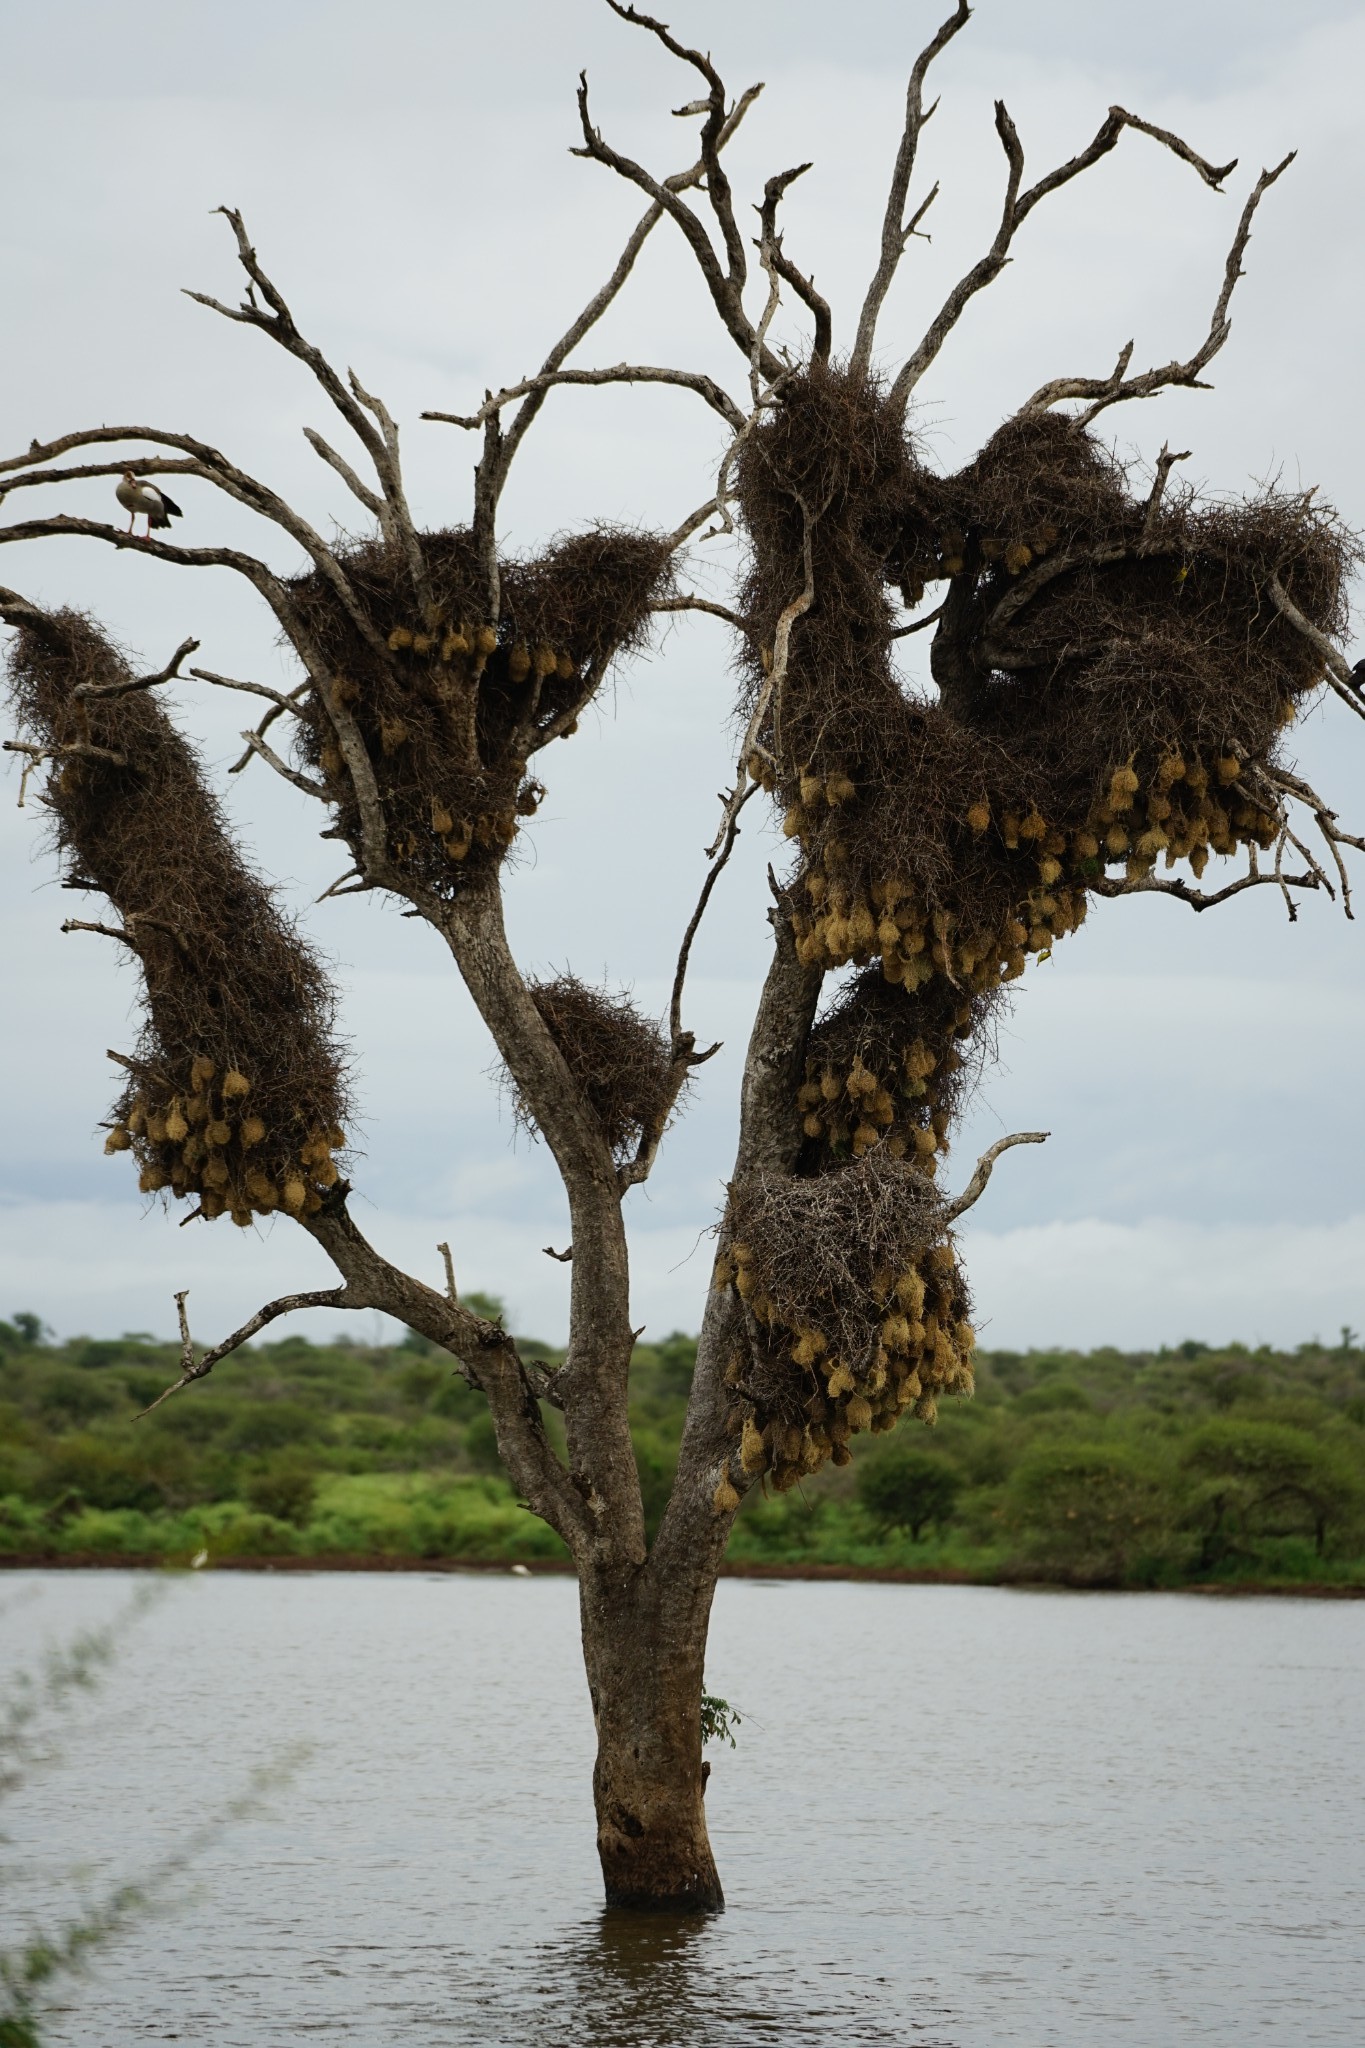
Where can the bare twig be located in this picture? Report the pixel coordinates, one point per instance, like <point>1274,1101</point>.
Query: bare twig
<point>322,1297</point>
<point>452,1295</point>
<point>976,1186</point>
<point>1114,390</point>
<point>256,745</point>
<point>701,604</point>
<point>1339,672</point>
<point>106,931</point>
<point>1198,899</point>
<point>896,231</point>
<point>721,856</point>
<point>1019,203</point>
<point>1165,463</point>
<point>619,373</point>
<point>563,1257</point>
<point>776,261</point>
<point>171,673</point>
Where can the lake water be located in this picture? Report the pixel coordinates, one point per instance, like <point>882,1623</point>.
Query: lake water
<point>956,1818</point>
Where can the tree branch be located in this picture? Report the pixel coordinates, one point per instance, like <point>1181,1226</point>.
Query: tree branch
<point>1017,207</point>
<point>1117,388</point>
<point>322,1297</point>
<point>774,259</point>
<point>620,373</point>
<point>976,1186</point>
<point>256,745</point>
<point>725,293</point>
<point>895,231</point>
<point>85,692</point>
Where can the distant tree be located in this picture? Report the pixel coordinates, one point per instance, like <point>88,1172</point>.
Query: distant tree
<point>902,1488</point>
<point>1268,1479</point>
<point>1093,1513</point>
<point>1115,664</point>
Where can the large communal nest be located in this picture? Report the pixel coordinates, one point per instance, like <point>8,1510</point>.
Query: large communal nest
<point>451,705</point>
<point>855,1307</point>
<point>1114,678</point>
<point>236,1091</point>
<point>620,1059</point>
<point>1114,681</point>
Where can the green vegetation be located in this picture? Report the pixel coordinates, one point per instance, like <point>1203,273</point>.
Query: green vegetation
<point>1103,1468</point>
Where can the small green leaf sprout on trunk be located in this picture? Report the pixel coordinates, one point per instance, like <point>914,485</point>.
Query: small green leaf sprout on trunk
<point>719,1720</point>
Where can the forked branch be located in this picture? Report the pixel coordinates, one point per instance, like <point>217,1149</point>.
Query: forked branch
<point>1117,388</point>
<point>1020,202</point>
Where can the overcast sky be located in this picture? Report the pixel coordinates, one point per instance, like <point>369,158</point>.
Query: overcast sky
<point>405,176</point>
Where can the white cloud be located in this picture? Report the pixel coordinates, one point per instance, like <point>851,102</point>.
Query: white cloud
<point>1158,1282</point>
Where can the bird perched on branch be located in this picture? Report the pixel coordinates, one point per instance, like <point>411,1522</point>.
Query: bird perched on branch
<point>137,496</point>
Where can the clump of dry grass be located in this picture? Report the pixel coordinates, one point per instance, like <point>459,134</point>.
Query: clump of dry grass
<point>619,1058</point>
<point>236,1093</point>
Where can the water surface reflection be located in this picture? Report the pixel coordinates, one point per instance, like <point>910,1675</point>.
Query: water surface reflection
<point>957,1818</point>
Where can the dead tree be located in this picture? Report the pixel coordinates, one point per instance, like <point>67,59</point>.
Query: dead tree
<point>1117,665</point>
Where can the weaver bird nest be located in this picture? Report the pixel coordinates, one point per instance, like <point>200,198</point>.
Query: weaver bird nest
<point>854,1305</point>
<point>449,708</point>
<point>236,1092</point>
<point>1114,682</point>
<point>620,1059</point>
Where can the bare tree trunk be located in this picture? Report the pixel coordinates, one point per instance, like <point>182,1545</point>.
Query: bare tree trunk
<point>644,1649</point>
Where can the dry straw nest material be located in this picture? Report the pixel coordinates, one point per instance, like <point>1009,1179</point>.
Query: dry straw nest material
<point>885,1067</point>
<point>620,1059</point>
<point>855,1307</point>
<point>450,706</point>
<point>1114,680</point>
<point>236,1093</point>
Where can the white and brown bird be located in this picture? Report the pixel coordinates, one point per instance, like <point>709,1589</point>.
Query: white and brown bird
<point>141,499</point>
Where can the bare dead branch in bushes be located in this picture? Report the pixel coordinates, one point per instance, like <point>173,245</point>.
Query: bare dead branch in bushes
<point>1165,463</point>
<point>896,231</point>
<point>1018,204</point>
<point>976,1186</point>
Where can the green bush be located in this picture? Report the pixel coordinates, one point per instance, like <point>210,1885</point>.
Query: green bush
<point>901,1486</point>
<point>285,1487</point>
<point>1252,1479</point>
<point>1100,1514</point>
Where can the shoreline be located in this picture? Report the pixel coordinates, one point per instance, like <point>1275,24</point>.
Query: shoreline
<point>743,1568</point>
